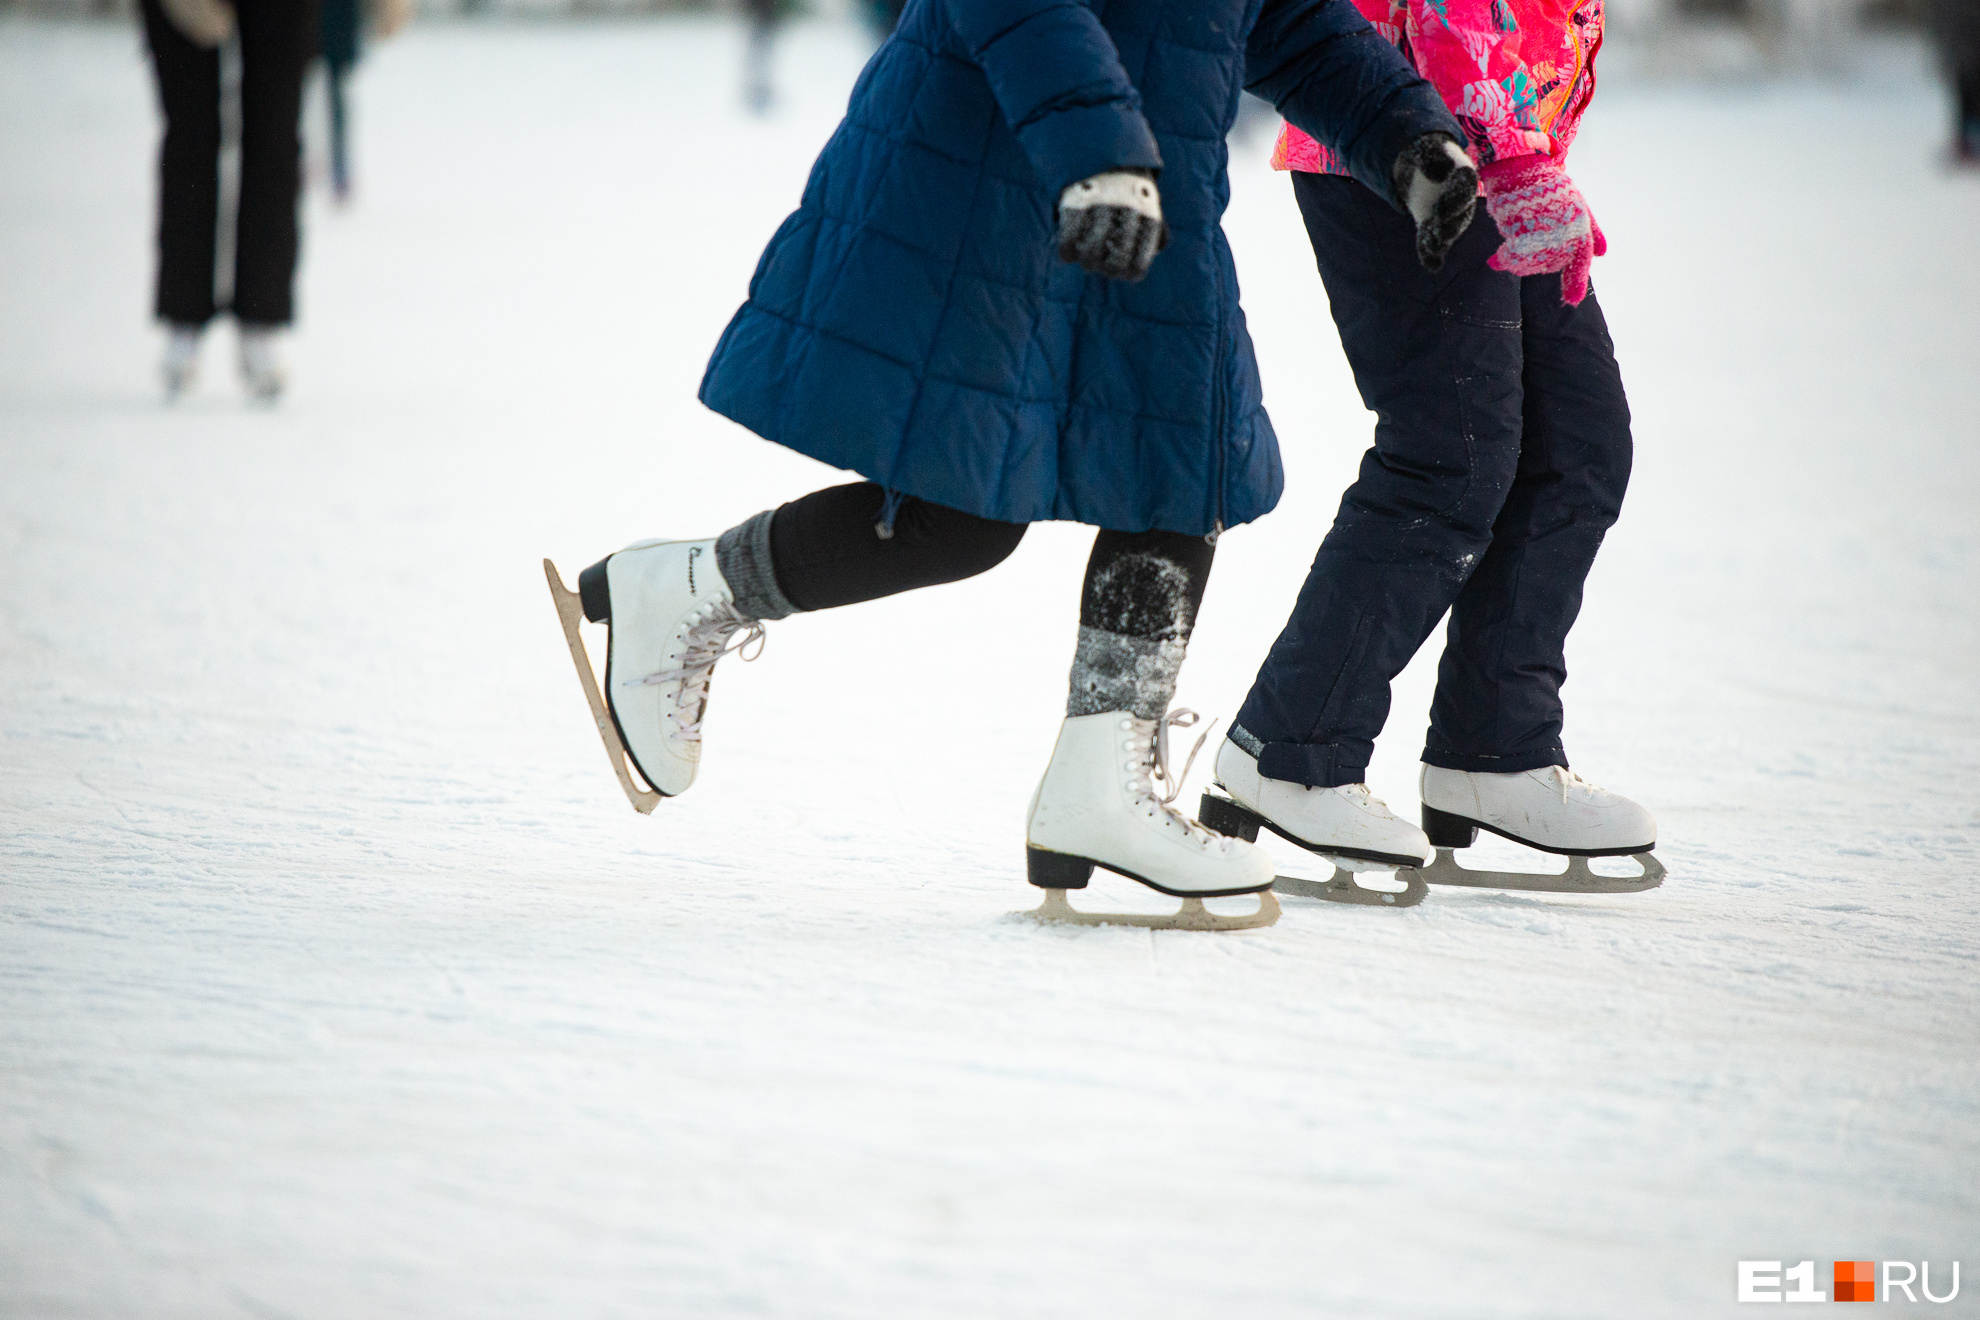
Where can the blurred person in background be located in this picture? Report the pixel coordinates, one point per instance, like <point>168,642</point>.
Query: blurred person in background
<point>343,44</point>
<point>883,16</point>
<point>1502,450</point>
<point>1956,26</point>
<point>967,309</point>
<point>765,17</point>
<point>276,39</point>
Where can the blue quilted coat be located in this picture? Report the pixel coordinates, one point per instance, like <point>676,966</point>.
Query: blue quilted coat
<point>912,321</point>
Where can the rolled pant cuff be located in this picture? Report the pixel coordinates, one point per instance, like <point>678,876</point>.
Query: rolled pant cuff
<point>1497,765</point>
<point>1317,765</point>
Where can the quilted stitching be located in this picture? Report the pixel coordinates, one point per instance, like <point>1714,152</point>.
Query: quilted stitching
<point>912,322</point>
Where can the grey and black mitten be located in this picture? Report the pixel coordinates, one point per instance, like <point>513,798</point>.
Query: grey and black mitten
<point>1437,183</point>
<point>1111,224</point>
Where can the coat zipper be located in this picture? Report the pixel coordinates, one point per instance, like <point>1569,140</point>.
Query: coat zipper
<point>1218,407</point>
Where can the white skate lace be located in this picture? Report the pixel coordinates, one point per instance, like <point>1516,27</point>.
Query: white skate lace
<point>707,642</point>
<point>1153,764</point>
<point>1360,796</point>
<point>1568,779</point>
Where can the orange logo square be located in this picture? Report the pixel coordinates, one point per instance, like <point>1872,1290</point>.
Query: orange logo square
<point>1856,1281</point>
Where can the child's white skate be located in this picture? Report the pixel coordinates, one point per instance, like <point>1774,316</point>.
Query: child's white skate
<point>181,365</point>
<point>262,369</point>
<point>1098,806</point>
<point>669,617</point>
<point>1552,809</point>
<point>1347,825</point>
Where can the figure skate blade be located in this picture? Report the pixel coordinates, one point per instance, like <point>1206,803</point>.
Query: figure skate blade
<point>570,612</point>
<point>1344,888</point>
<point>1577,879</point>
<point>1193,915</point>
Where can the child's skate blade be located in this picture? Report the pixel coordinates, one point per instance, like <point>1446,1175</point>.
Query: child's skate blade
<point>1577,879</point>
<point>1193,915</point>
<point>1344,888</point>
<point>570,612</point>
<point>1228,818</point>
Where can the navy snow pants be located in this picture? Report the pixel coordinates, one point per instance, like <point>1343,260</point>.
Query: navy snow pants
<point>1502,450</point>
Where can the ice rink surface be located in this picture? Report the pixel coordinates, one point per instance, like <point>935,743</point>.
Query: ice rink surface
<point>337,979</point>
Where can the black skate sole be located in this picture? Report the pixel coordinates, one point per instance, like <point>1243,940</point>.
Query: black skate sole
<point>1056,870</point>
<point>1228,818</point>
<point>1449,830</point>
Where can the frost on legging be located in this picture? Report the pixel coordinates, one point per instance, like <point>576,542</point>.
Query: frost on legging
<point>1134,630</point>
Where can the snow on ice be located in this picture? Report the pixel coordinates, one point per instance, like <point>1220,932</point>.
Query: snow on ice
<point>337,979</point>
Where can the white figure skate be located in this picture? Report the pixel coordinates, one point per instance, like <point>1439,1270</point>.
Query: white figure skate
<point>1347,825</point>
<point>1552,809</point>
<point>669,617</point>
<point>1098,806</point>
<point>181,365</point>
<point>262,370</point>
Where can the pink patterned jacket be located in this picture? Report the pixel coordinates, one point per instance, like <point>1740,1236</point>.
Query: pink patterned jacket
<point>1517,73</point>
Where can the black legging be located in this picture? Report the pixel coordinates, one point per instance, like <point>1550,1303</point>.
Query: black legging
<point>277,38</point>
<point>826,552</point>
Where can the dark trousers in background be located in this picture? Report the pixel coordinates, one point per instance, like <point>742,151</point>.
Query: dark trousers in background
<point>277,38</point>
<point>334,76</point>
<point>1502,450</point>
<point>1966,107</point>
<point>342,26</point>
<point>1956,28</point>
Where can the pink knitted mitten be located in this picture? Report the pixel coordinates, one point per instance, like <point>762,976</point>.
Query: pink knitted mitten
<point>1545,222</point>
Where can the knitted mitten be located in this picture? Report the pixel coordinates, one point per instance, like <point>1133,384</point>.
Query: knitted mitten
<point>1545,222</point>
<point>1438,185</point>
<point>1111,224</point>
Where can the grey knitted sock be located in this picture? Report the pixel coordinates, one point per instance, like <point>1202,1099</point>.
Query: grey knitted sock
<point>743,555</point>
<point>1112,671</point>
